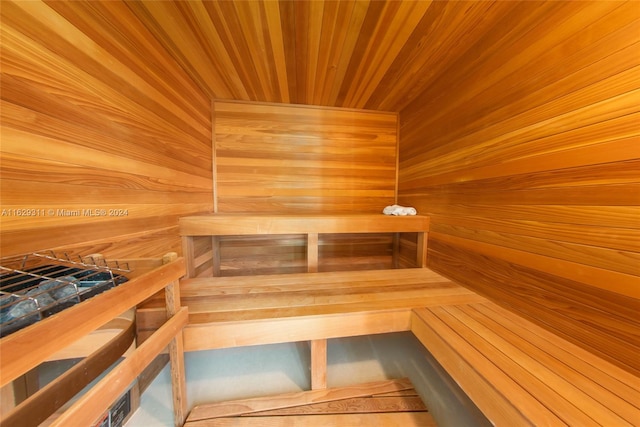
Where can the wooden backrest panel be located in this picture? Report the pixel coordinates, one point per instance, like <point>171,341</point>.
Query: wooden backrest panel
<point>288,158</point>
<point>103,135</point>
<point>529,168</point>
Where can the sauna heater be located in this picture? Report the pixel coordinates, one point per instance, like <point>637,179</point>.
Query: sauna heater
<point>36,286</point>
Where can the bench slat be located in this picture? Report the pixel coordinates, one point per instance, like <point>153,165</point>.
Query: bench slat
<point>605,388</point>
<point>606,374</point>
<point>205,336</point>
<point>543,377</point>
<point>307,281</point>
<point>545,381</point>
<point>338,297</point>
<point>209,290</point>
<point>398,305</point>
<point>249,224</point>
<point>472,371</point>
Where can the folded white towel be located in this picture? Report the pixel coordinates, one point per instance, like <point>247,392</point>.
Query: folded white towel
<point>410,211</point>
<point>399,210</point>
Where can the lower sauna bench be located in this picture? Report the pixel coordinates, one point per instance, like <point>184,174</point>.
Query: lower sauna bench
<point>249,336</point>
<point>253,310</point>
<point>513,371</point>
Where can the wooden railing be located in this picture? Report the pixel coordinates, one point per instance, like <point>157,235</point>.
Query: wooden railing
<point>24,350</point>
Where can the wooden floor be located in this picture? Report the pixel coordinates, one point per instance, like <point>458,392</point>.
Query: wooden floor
<point>385,403</point>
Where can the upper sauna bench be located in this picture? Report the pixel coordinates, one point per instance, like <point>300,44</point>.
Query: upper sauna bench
<point>311,225</point>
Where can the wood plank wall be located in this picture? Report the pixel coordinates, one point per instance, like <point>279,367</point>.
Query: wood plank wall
<point>527,155</point>
<point>294,158</point>
<point>522,144</point>
<point>97,118</point>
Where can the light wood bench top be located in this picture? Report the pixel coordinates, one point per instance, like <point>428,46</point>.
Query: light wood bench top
<point>248,224</point>
<point>252,310</point>
<point>518,373</point>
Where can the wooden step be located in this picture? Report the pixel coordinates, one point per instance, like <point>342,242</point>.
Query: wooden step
<point>383,403</point>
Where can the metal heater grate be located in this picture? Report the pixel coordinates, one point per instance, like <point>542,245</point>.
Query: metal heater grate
<point>38,285</point>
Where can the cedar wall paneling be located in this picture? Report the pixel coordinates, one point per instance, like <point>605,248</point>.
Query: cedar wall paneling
<point>288,158</point>
<point>97,118</point>
<point>527,156</point>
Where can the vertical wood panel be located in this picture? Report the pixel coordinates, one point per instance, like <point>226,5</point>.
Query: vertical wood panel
<point>329,53</point>
<point>529,166</point>
<point>103,134</point>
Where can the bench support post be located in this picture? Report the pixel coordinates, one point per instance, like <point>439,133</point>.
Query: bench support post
<point>318,364</point>
<point>176,350</point>
<point>312,252</point>
<point>188,251</point>
<point>421,255</point>
<point>395,248</point>
<point>215,255</point>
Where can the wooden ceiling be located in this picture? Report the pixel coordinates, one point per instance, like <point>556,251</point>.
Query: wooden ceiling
<point>378,55</point>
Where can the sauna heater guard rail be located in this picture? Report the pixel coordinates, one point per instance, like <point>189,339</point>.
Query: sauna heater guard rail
<point>37,285</point>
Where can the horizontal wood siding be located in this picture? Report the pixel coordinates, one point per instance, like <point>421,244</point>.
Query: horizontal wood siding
<point>103,134</point>
<point>527,156</point>
<point>290,158</point>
